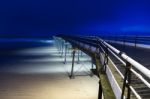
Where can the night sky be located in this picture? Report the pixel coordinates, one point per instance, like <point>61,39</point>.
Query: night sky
<point>44,18</point>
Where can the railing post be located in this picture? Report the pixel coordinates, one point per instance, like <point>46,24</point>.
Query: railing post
<point>100,90</point>
<point>105,59</point>
<point>92,65</point>
<point>62,48</point>
<point>72,69</point>
<point>65,53</point>
<point>81,54</point>
<point>78,57</point>
<point>127,81</point>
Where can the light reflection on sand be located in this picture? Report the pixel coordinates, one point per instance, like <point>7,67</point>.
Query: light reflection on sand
<point>45,76</point>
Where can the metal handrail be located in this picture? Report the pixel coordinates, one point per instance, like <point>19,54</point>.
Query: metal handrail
<point>129,39</point>
<point>122,76</point>
<point>137,65</point>
<point>97,41</point>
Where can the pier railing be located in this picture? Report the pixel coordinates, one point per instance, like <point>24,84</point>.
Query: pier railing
<point>132,40</point>
<point>132,75</point>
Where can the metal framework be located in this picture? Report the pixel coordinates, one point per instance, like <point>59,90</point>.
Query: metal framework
<point>102,55</point>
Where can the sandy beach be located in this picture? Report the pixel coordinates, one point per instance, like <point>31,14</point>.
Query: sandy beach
<point>44,76</point>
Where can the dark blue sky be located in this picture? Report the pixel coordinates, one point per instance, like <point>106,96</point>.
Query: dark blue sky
<point>36,18</point>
